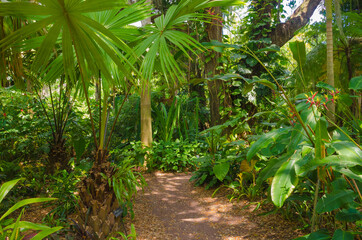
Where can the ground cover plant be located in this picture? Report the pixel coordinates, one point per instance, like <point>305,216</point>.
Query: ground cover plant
<point>225,94</point>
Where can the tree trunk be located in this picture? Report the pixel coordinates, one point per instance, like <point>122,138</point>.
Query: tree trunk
<point>214,31</point>
<point>330,71</point>
<point>96,217</point>
<point>146,119</point>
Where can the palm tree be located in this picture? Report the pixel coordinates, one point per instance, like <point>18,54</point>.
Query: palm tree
<point>84,44</point>
<point>161,41</point>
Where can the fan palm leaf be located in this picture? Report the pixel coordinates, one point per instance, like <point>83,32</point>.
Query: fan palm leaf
<point>79,28</point>
<point>161,37</point>
<point>80,34</point>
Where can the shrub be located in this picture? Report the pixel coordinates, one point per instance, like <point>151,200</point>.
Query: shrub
<point>174,156</point>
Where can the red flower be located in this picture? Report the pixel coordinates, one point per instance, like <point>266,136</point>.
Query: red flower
<point>21,110</point>
<point>210,12</point>
<point>4,114</point>
<point>334,94</point>
<point>311,100</point>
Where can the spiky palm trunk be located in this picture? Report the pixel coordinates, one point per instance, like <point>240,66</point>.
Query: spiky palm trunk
<point>96,214</point>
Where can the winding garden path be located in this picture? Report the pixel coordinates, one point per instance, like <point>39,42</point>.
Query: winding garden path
<point>172,208</point>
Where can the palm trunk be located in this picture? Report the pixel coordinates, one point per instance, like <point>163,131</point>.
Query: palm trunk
<point>96,218</point>
<point>330,71</point>
<point>214,30</point>
<point>146,120</point>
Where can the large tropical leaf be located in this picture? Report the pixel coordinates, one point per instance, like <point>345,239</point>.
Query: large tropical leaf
<point>265,140</point>
<point>44,233</point>
<point>347,149</point>
<point>342,235</point>
<point>221,170</point>
<point>356,83</point>
<point>298,135</point>
<point>349,215</point>
<point>28,225</point>
<point>319,235</point>
<point>335,200</point>
<point>119,21</point>
<point>349,173</point>
<point>284,181</point>
<point>349,155</point>
<point>6,187</point>
<point>298,51</point>
<point>23,203</point>
<point>272,167</point>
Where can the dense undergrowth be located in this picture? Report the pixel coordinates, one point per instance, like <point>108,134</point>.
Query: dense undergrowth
<point>278,166</point>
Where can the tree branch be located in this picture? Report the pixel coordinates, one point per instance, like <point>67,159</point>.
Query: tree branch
<point>283,32</point>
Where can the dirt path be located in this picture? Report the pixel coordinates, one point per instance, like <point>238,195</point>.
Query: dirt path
<point>172,208</point>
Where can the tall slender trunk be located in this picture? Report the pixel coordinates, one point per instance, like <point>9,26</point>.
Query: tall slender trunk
<point>146,119</point>
<point>214,31</point>
<point>330,72</point>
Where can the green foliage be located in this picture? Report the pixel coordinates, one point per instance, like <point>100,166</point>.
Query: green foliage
<point>131,236</point>
<point>176,118</point>
<point>125,182</point>
<point>299,52</point>
<point>24,130</point>
<point>176,156</point>
<point>128,125</point>
<point>63,186</point>
<point>356,83</point>
<point>349,215</point>
<point>323,235</point>
<point>299,55</point>
<point>12,231</point>
<point>167,120</point>
<point>221,162</point>
<point>300,159</point>
<point>336,199</point>
<point>284,182</point>
<point>221,170</point>
<point>342,235</point>
<point>265,140</point>
<point>289,159</point>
